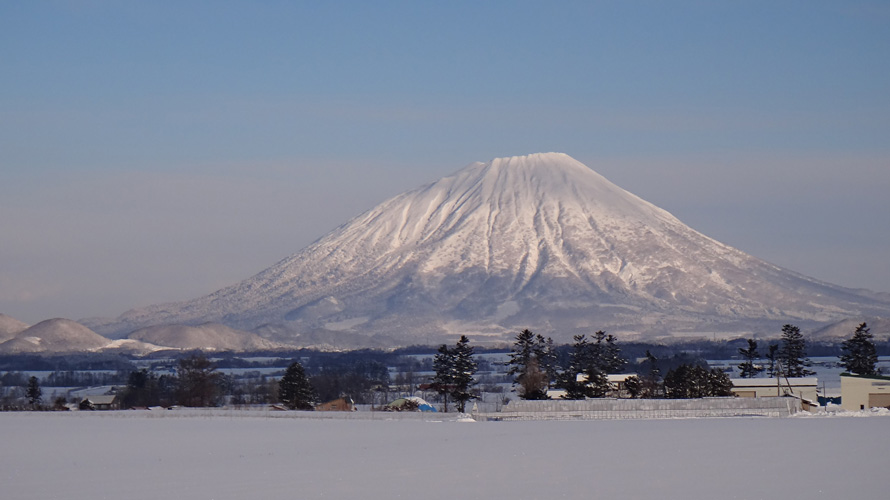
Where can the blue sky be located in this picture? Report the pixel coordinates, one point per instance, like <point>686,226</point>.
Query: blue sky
<point>156,151</point>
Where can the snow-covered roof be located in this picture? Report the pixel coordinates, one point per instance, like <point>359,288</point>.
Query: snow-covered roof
<point>613,378</point>
<point>620,377</point>
<point>101,399</point>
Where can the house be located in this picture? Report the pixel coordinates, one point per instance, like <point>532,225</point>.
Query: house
<point>100,402</point>
<point>617,381</point>
<point>616,386</point>
<point>862,392</point>
<point>339,404</point>
<point>799,387</point>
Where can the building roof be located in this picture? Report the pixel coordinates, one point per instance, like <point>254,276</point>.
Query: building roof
<point>875,377</point>
<point>612,378</point>
<point>620,377</point>
<point>101,399</point>
<point>772,382</point>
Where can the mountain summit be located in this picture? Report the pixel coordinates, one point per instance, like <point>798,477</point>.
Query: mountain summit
<point>538,241</point>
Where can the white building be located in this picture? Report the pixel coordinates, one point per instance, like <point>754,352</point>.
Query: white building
<point>862,392</point>
<point>799,387</point>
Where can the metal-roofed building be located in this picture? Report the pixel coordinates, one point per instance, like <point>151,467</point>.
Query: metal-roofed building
<point>799,387</point>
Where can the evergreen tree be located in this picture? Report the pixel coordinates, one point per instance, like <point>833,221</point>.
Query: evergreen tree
<point>859,353</point>
<point>579,360</point>
<point>294,389</point>
<point>444,364</point>
<point>545,352</point>
<point>596,381</point>
<point>719,384</point>
<point>526,356</point>
<point>597,350</point>
<point>772,354</point>
<point>521,354</point>
<point>606,354</point>
<point>747,368</point>
<point>613,361</point>
<point>650,383</point>
<point>678,383</point>
<point>793,353</point>
<point>633,385</point>
<point>464,371</point>
<point>34,393</point>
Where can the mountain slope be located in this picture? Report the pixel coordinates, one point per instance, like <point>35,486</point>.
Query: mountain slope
<point>208,336</point>
<point>537,241</point>
<point>9,327</point>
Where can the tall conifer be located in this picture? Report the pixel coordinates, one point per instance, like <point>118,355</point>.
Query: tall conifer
<point>294,389</point>
<point>859,353</point>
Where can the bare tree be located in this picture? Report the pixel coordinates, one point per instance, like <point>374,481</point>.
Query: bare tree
<point>198,382</point>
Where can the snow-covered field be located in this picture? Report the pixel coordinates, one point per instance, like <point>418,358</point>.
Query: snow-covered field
<point>195,455</point>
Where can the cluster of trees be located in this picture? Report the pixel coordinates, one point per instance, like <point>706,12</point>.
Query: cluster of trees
<point>684,380</point>
<point>253,388</point>
<point>455,370</point>
<point>364,380</point>
<point>27,397</point>
<point>534,364</point>
<point>789,358</point>
<point>695,381</point>
<point>196,383</point>
<point>585,375</point>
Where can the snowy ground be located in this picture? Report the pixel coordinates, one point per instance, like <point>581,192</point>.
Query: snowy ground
<point>192,455</point>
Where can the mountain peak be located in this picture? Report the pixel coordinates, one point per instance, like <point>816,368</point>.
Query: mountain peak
<point>542,163</point>
<point>534,159</point>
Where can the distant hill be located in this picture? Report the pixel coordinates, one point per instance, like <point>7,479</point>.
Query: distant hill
<point>63,336</point>
<point>54,335</point>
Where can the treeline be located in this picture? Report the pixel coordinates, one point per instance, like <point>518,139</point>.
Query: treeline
<point>67,362</point>
<point>197,382</point>
<point>402,359</point>
<point>536,367</point>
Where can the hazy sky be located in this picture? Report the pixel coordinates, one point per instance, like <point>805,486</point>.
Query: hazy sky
<point>157,151</point>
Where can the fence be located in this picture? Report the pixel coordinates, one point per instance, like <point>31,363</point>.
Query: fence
<point>614,409</point>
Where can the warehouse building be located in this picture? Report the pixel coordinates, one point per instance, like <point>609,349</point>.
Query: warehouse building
<point>862,392</point>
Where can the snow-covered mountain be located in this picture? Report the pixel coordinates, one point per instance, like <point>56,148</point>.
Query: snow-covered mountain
<point>538,241</point>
